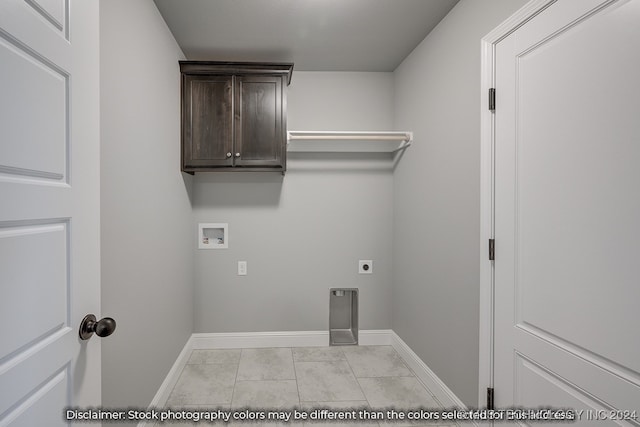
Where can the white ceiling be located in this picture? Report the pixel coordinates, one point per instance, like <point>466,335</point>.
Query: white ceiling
<point>317,35</point>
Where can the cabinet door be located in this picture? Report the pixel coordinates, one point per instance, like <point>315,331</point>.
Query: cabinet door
<point>259,122</point>
<point>207,132</point>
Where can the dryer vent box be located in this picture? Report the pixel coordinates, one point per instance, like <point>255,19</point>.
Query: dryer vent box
<point>343,316</point>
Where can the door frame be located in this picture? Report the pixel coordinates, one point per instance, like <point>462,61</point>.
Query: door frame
<point>487,141</point>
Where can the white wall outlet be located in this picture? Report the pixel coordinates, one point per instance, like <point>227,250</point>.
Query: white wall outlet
<point>365,266</point>
<point>242,268</point>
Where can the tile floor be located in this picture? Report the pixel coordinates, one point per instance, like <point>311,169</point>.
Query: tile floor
<point>371,378</point>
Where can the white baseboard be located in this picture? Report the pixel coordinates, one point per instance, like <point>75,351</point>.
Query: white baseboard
<point>375,337</point>
<point>260,339</point>
<point>282,339</point>
<point>160,399</point>
<point>443,394</point>
<point>203,341</point>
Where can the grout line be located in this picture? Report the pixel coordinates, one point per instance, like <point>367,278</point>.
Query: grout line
<point>235,380</point>
<point>295,373</point>
<point>358,382</point>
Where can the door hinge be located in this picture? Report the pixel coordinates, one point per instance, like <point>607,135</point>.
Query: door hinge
<point>492,249</point>
<point>492,99</point>
<point>490,399</point>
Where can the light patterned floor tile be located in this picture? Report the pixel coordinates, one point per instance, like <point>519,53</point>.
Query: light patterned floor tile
<point>318,354</point>
<point>269,394</point>
<point>401,393</point>
<point>215,356</point>
<point>262,397</point>
<point>327,382</point>
<point>204,385</point>
<point>314,411</point>
<point>266,364</point>
<point>302,379</point>
<point>376,361</point>
<point>177,421</point>
<point>397,392</point>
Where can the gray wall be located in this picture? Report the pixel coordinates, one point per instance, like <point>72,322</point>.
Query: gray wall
<point>437,195</point>
<point>147,250</point>
<point>303,233</point>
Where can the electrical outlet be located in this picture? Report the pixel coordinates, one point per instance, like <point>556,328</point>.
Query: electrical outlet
<point>365,266</point>
<point>242,268</point>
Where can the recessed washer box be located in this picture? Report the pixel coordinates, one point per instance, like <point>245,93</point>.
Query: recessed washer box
<point>213,235</point>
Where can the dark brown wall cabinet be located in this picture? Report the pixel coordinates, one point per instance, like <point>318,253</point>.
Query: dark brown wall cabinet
<point>234,116</point>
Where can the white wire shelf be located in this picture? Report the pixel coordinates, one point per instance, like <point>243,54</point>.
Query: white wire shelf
<point>348,141</point>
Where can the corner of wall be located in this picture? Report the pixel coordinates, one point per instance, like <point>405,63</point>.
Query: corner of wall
<point>146,214</point>
<point>436,194</point>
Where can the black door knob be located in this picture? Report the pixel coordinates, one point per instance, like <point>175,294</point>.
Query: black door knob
<point>103,327</point>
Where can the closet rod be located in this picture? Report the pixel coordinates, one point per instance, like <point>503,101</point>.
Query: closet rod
<point>329,135</point>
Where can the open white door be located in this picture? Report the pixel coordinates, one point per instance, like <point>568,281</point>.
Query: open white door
<point>49,208</point>
<point>567,211</point>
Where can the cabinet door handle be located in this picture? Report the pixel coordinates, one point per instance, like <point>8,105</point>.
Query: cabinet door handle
<point>228,154</point>
<point>237,154</point>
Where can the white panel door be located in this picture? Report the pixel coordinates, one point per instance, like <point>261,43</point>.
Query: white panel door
<point>49,208</point>
<point>567,211</point>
